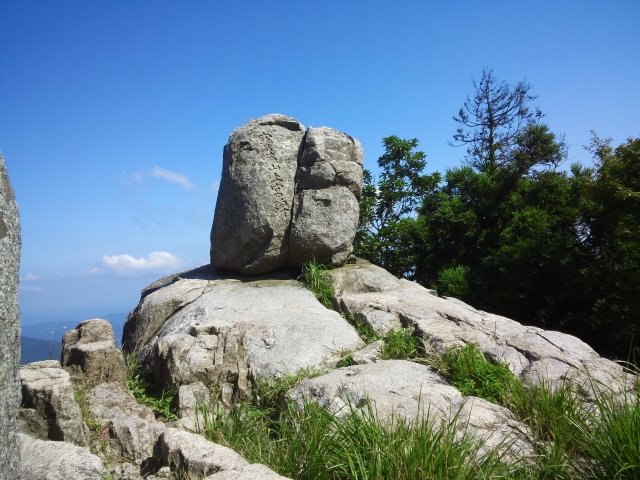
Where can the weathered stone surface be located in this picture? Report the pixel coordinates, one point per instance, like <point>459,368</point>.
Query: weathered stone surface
<point>10,243</point>
<point>47,394</point>
<point>191,397</point>
<point>330,158</point>
<point>134,437</point>
<point>255,471</point>
<point>253,211</point>
<point>368,354</point>
<point>196,455</point>
<point>326,207</point>
<point>217,329</point>
<point>90,355</point>
<point>57,461</point>
<point>324,226</point>
<point>409,391</point>
<point>531,352</point>
<point>108,401</point>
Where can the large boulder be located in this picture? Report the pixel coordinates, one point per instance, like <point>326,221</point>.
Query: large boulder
<point>373,294</point>
<point>406,391</point>
<point>57,461</point>
<point>286,196</point>
<point>49,409</point>
<point>90,355</point>
<point>253,212</point>
<point>225,331</point>
<point>10,243</point>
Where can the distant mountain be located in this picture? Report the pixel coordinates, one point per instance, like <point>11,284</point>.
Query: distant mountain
<point>34,350</point>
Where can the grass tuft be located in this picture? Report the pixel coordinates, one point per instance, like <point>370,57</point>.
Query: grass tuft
<point>314,279</point>
<point>161,401</point>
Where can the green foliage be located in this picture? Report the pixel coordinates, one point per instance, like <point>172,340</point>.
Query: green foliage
<point>311,443</point>
<point>400,345</point>
<point>468,371</point>
<point>611,438</point>
<point>145,392</point>
<point>386,206</point>
<point>314,279</point>
<point>453,281</point>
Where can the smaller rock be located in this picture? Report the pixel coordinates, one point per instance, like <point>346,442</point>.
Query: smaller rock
<point>255,471</point>
<point>381,321</point>
<point>125,471</point>
<point>368,354</point>
<point>108,401</point>
<point>163,473</point>
<point>191,397</point>
<point>50,410</point>
<point>135,437</point>
<point>90,355</point>
<point>197,455</point>
<point>57,461</point>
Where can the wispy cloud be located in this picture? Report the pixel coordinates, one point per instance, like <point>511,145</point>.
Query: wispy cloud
<point>29,289</point>
<point>92,271</point>
<point>173,177</point>
<point>127,266</point>
<point>30,277</point>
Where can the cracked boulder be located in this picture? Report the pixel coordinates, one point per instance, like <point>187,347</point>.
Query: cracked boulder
<point>207,325</point>
<point>371,293</point>
<point>400,390</point>
<point>49,409</point>
<point>286,196</point>
<point>90,355</point>
<point>253,211</point>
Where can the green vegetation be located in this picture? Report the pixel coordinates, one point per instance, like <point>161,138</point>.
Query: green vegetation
<point>574,439</point>
<point>400,345</point>
<point>147,393</point>
<point>467,370</point>
<point>308,442</point>
<point>509,232</point>
<point>314,278</point>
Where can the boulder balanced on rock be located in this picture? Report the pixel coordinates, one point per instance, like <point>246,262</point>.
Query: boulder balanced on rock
<point>286,196</point>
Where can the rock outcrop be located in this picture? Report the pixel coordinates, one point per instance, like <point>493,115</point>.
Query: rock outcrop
<point>207,326</point>
<point>406,391</point>
<point>10,243</point>
<point>49,409</point>
<point>286,196</point>
<point>383,301</point>
<point>57,461</point>
<point>90,355</point>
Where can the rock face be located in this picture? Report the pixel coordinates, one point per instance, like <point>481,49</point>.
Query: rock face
<point>57,461</point>
<point>253,212</point>
<point>207,326</point>
<point>286,197</point>
<point>402,390</point>
<point>326,205</point>
<point>49,410</point>
<point>372,294</point>
<point>10,243</point>
<point>90,355</point>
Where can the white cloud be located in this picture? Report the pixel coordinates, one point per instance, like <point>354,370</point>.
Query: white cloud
<point>30,277</point>
<point>173,177</point>
<point>215,185</point>
<point>30,289</point>
<point>128,266</point>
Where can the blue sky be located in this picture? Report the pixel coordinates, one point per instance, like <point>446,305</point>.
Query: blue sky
<point>113,115</point>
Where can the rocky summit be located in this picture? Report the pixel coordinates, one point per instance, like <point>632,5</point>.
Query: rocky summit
<point>287,195</point>
<point>211,338</point>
